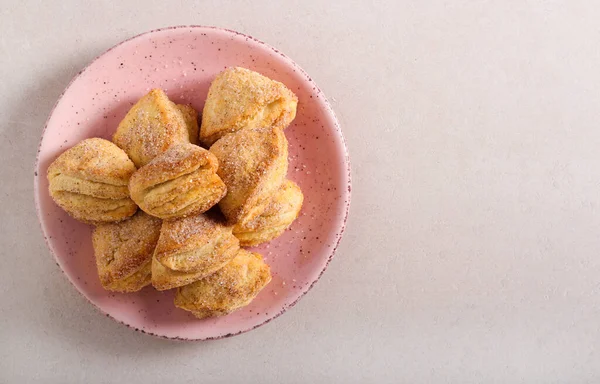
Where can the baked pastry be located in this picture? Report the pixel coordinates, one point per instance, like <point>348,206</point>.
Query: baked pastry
<point>124,252</point>
<point>150,127</point>
<point>164,278</point>
<point>190,115</point>
<point>230,288</point>
<point>89,181</point>
<point>195,243</point>
<point>253,164</point>
<point>281,210</point>
<point>180,182</point>
<point>240,98</point>
<point>190,249</point>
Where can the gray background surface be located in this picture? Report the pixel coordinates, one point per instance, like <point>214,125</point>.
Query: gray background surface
<point>472,250</point>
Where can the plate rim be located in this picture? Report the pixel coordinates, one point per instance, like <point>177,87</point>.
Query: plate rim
<point>348,191</point>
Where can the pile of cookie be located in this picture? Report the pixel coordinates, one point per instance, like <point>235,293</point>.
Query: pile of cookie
<point>203,192</point>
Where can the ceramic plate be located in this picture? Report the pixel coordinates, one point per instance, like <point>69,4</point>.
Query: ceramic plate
<point>183,61</point>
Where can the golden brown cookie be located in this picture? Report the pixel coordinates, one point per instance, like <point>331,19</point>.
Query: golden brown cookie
<point>90,180</point>
<point>253,164</point>
<point>151,127</point>
<point>164,278</point>
<point>191,248</point>
<point>124,252</point>
<point>240,98</point>
<point>190,115</point>
<point>280,212</point>
<point>232,287</point>
<point>180,182</point>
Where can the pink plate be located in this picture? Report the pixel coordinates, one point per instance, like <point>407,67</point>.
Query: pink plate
<point>183,61</point>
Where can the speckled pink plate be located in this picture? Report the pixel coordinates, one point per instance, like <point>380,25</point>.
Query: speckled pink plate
<point>183,61</point>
